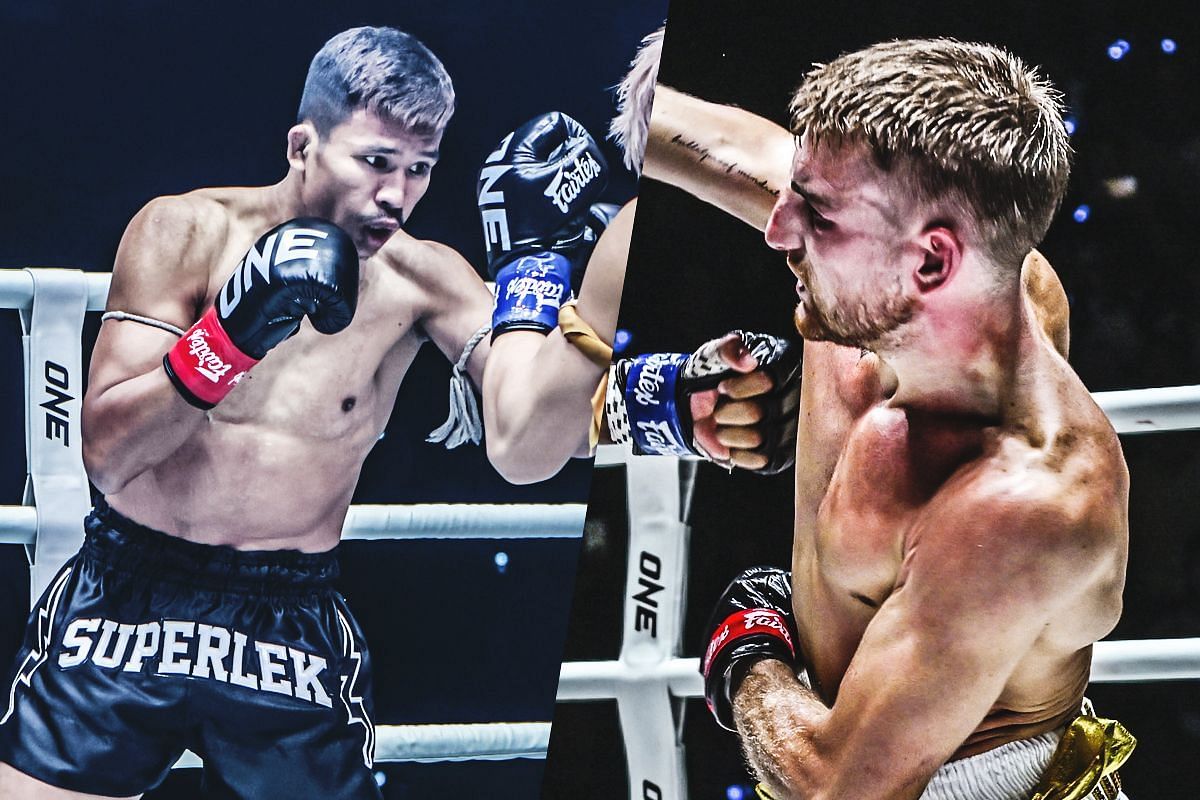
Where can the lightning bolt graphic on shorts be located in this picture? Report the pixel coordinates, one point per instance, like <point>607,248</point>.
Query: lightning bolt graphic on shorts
<point>356,710</point>
<point>40,650</point>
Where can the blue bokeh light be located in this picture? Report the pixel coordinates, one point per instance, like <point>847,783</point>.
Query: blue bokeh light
<point>1118,49</point>
<point>621,340</point>
<point>1082,213</point>
<point>1168,46</point>
<point>1071,125</point>
<point>501,560</point>
<point>735,792</point>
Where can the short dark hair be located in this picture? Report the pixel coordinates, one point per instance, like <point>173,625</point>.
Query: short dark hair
<point>384,70</point>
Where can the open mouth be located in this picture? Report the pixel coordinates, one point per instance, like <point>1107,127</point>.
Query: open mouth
<point>377,235</point>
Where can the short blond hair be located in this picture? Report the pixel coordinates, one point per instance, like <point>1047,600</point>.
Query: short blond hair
<point>635,97</point>
<point>964,121</point>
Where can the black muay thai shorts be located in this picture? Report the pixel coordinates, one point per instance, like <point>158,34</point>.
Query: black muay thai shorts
<point>146,645</point>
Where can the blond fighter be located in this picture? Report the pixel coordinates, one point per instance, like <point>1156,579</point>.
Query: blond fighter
<point>961,527</point>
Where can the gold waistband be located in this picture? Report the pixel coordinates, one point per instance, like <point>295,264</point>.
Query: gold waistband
<point>1085,763</point>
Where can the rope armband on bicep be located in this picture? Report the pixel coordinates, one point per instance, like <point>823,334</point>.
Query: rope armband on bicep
<point>465,423</point>
<point>153,323</point>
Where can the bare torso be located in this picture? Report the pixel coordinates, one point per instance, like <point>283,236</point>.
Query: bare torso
<point>870,477</point>
<point>275,464</point>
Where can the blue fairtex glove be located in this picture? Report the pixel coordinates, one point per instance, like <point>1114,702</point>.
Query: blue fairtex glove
<point>534,195</point>
<point>647,402</point>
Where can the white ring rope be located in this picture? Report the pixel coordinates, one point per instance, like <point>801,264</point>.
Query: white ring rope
<point>1127,661</point>
<point>16,289</point>
<point>488,742</point>
<point>425,744</point>
<point>1114,661</point>
<point>18,524</point>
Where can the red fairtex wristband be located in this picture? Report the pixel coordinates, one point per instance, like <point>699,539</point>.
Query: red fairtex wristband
<point>205,365</point>
<point>747,622</point>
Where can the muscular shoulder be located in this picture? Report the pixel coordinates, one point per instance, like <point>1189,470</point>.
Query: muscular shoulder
<point>438,276</point>
<point>423,259</point>
<point>193,222</point>
<point>166,256</point>
<point>1037,510</point>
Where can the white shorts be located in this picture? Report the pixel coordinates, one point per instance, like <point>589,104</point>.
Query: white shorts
<point>1009,772</point>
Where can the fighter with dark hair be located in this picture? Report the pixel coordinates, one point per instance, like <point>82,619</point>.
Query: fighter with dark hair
<point>255,342</point>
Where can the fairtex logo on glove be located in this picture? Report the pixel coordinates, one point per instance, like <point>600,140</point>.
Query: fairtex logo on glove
<point>544,293</point>
<point>208,363</point>
<point>567,186</point>
<point>747,622</point>
<point>650,378</point>
<point>205,363</point>
<point>537,277</point>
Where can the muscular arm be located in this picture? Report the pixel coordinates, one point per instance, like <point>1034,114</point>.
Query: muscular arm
<point>537,389</point>
<point>133,417</point>
<point>456,303</point>
<point>981,579</point>
<point>735,160</point>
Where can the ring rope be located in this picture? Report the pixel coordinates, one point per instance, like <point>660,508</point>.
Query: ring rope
<point>426,744</point>
<point>1119,661</point>
<point>18,524</point>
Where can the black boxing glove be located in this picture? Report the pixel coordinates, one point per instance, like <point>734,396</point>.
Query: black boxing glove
<point>752,621</point>
<point>304,267</point>
<point>534,195</point>
<point>647,402</point>
<point>599,217</point>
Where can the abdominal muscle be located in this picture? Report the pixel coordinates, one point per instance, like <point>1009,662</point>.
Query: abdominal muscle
<point>249,487</point>
<point>275,465</point>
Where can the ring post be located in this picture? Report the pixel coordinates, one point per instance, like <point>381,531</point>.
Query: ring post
<point>56,484</point>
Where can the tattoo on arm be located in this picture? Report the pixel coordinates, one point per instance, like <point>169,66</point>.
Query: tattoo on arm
<point>730,168</point>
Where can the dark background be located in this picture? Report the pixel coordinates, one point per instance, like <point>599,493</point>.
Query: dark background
<point>1128,269</point>
<point>106,105</point>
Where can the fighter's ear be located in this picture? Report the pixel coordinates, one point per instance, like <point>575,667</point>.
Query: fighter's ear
<point>941,256</point>
<point>301,140</point>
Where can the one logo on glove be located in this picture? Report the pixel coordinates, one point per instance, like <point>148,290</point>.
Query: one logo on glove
<point>208,363</point>
<point>567,186</point>
<point>293,243</point>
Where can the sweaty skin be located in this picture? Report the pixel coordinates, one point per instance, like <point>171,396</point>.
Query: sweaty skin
<point>951,569</point>
<point>274,465</point>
